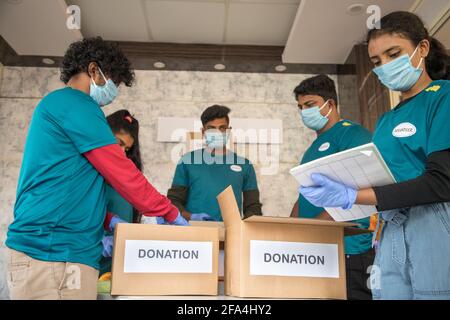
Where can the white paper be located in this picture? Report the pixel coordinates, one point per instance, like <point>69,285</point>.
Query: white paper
<point>359,168</point>
<point>295,259</point>
<point>157,256</point>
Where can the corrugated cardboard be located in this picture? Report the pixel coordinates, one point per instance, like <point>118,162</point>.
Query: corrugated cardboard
<point>163,283</point>
<point>221,227</point>
<point>239,233</point>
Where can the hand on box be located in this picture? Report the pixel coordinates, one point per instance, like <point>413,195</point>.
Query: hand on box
<point>179,221</point>
<point>328,193</point>
<point>114,221</point>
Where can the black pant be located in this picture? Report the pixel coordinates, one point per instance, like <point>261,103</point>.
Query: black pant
<point>357,276</point>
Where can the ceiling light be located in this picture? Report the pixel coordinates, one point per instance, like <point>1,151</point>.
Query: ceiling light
<point>280,68</point>
<point>219,66</point>
<point>159,65</point>
<point>355,9</point>
<point>48,61</point>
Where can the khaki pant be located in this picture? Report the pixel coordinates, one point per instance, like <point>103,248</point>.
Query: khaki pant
<point>31,279</point>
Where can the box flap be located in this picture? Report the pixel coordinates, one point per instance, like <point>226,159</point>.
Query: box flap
<point>228,207</point>
<point>287,220</point>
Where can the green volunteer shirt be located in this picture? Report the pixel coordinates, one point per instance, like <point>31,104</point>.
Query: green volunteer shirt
<point>120,207</point>
<point>206,176</point>
<point>408,134</point>
<point>342,136</point>
<point>60,204</point>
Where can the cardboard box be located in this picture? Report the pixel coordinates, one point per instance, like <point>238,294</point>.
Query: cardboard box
<point>165,260</point>
<point>221,227</point>
<point>271,257</point>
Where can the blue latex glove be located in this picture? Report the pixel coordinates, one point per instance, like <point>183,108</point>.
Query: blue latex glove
<point>161,220</point>
<point>328,193</point>
<point>179,221</point>
<point>114,221</point>
<point>108,244</point>
<point>201,217</point>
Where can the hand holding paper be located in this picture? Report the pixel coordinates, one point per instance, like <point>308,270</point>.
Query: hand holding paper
<point>328,193</point>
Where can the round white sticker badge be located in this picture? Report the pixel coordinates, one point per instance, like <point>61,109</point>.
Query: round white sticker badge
<point>324,147</point>
<point>236,168</point>
<point>404,130</point>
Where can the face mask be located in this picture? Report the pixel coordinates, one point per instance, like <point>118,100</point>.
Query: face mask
<point>216,139</point>
<point>313,119</point>
<point>399,75</point>
<point>105,94</point>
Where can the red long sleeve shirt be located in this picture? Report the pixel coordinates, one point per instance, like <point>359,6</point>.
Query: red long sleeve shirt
<point>121,173</point>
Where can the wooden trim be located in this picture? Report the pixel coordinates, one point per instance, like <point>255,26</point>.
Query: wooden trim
<point>192,57</point>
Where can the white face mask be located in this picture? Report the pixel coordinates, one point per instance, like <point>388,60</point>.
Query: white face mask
<point>313,119</point>
<point>216,139</point>
<point>400,74</point>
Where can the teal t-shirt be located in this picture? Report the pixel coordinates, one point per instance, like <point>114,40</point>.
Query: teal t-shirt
<point>120,207</point>
<point>206,176</point>
<point>408,134</point>
<point>342,136</point>
<point>60,204</point>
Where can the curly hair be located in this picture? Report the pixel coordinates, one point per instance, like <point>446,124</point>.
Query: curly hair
<point>108,56</point>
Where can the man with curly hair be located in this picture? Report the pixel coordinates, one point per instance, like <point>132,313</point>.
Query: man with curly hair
<point>55,240</point>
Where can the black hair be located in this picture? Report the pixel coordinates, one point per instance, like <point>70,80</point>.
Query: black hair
<point>108,56</point>
<point>320,85</point>
<point>215,112</point>
<point>123,121</point>
<point>411,27</point>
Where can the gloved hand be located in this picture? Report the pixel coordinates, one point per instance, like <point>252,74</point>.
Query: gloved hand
<point>328,193</point>
<point>201,217</point>
<point>161,220</point>
<point>108,244</point>
<point>179,221</point>
<point>114,221</point>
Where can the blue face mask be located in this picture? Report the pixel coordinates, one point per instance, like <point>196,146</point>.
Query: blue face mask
<point>105,94</point>
<point>399,75</point>
<point>216,139</point>
<point>313,119</point>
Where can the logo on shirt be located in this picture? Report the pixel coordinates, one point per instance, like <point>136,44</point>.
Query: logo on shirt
<point>404,130</point>
<point>433,88</point>
<point>236,168</point>
<point>324,147</point>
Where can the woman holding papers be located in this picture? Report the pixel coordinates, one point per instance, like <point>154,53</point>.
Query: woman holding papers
<point>413,260</point>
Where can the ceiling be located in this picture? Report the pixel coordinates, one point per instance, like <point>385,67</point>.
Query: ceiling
<point>250,22</point>
<point>312,31</point>
<point>36,27</point>
<point>318,35</point>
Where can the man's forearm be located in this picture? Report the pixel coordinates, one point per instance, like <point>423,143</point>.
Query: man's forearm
<point>121,173</point>
<point>251,204</point>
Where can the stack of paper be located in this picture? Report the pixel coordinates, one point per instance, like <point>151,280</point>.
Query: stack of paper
<point>360,167</point>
